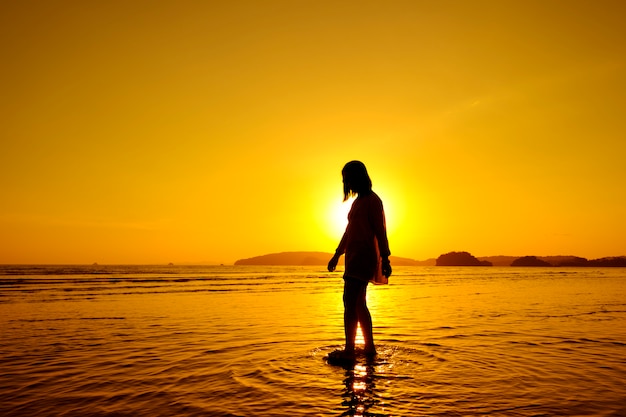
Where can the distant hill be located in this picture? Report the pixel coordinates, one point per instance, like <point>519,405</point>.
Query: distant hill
<point>561,260</point>
<point>427,262</point>
<point>460,259</point>
<point>566,260</point>
<point>529,261</point>
<point>615,261</point>
<point>499,260</point>
<point>313,258</point>
<point>303,258</point>
<point>288,258</point>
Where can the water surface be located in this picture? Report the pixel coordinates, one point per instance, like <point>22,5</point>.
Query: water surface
<point>241,341</point>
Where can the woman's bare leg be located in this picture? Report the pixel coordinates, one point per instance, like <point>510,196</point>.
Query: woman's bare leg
<point>350,315</point>
<point>365,320</point>
<point>355,313</point>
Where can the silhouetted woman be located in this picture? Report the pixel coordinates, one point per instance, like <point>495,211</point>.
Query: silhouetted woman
<point>367,256</point>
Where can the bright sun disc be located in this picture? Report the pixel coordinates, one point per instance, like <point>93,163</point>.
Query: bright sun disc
<point>340,214</point>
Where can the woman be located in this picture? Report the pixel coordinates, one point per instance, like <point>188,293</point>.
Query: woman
<point>367,256</point>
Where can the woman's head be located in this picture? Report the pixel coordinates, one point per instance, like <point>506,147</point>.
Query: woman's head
<point>355,179</point>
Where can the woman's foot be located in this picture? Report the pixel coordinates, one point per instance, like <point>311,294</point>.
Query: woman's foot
<point>342,354</point>
<point>341,357</point>
<point>369,351</point>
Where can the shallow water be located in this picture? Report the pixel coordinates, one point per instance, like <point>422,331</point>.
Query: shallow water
<point>242,341</point>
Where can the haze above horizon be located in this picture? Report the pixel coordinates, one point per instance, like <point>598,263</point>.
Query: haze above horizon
<point>214,131</point>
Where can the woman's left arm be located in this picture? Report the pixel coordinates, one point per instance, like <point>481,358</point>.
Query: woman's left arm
<point>380,228</point>
<point>380,231</point>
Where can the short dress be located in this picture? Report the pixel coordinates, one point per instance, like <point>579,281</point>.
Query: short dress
<point>365,240</point>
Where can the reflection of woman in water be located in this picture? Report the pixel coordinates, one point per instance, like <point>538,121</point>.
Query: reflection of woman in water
<point>367,256</point>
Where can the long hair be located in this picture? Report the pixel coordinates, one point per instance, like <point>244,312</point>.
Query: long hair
<point>355,179</point>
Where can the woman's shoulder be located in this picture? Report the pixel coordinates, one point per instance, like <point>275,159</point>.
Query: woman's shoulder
<point>373,197</point>
<point>370,198</point>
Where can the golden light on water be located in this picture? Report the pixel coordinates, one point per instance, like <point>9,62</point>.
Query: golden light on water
<point>359,341</point>
<point>360,388</point>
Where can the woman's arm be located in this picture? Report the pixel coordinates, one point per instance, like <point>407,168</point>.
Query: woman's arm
<point>341,249</point>
<point>380,232</point>
<point>380,228</point>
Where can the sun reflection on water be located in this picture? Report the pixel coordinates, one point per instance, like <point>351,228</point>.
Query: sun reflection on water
<point>359,395</point>
<point>359,340</point>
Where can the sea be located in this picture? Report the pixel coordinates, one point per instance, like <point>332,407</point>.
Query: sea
<point>169,340</point>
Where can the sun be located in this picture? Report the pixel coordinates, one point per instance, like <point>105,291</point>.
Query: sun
<point>339,214</point>
<point>331,219</point>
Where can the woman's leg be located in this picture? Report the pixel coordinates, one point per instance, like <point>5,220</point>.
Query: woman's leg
<point>365,320</point>
<point>355,313</point>
<point>351,289</point>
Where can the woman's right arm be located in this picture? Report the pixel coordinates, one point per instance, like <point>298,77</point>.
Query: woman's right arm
<point>341,249</point>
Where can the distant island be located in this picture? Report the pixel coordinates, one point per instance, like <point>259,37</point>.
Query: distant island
<point>529,261</point>
<point>460,259</point>
<point>304,258</point>
<point>556,261</point>
<point>309,258</point>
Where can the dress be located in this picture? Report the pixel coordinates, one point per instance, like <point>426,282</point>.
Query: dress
<point>365,239</point>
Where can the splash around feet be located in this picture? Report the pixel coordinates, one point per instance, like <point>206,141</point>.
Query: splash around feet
<point>348,358</point>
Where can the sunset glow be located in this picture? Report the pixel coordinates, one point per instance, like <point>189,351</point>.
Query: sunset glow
<point>192,131</point>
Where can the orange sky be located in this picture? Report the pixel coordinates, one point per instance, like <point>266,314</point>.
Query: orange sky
<point>192,131</point>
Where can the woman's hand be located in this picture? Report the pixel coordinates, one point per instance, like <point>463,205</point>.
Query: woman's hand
<point>386,267</point>
<point>332,264</point>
